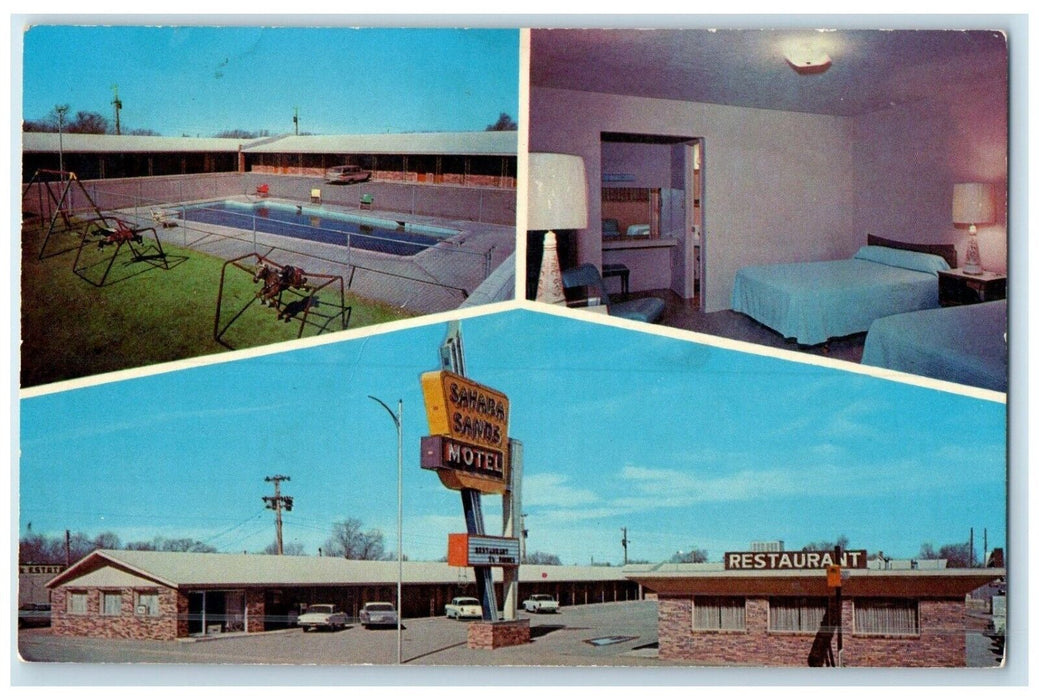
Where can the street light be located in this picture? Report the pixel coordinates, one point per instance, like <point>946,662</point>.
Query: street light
<point>397,418</point>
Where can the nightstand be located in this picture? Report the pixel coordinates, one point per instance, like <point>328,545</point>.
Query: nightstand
<point>956,287</point>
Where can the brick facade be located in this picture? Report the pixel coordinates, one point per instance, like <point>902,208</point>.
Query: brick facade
<point>940,643</point>
<point>491,635</point>
<point>128,624</point>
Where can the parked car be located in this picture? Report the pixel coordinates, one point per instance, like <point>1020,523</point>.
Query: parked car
<point>463,607</point>
<point>34,615</point>
<point>378,614</point>
<point>345,174</point>
<point>541,603</point>
<point>321,616</point>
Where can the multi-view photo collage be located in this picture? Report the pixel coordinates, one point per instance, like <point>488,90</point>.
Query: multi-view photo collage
<point>678,348</point>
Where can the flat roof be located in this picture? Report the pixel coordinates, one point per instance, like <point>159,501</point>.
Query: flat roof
<point>179,569</point>
<point>47,142</point>
<point>486,143</point>
<point>714,579</point>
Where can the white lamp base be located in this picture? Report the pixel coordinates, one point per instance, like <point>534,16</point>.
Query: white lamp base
<point>972,263</point>
<point>550,279</point>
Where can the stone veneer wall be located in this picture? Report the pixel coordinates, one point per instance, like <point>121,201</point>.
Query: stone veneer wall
<point>941,643</point>
<point>126,625</point>
<point>491,635</point>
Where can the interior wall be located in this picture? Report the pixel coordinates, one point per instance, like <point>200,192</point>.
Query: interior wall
<point>777,185</point>
<point>907,159</point>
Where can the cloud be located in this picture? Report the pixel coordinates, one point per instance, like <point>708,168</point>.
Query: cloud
<point>554,490</point>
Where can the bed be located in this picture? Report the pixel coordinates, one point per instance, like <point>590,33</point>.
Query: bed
<point>962,344</point>
<point>815,301</point>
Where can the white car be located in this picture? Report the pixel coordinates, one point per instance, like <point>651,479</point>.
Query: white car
<point>346,174</point>
<point>541,603</point>
<point>378,614</point>
<point>321,616</point>
<point>463,607</point>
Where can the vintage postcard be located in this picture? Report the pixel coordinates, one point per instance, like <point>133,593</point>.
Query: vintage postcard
<point>412,348</point>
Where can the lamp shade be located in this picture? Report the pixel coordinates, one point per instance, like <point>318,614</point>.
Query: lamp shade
<point>973,203</point>
<point>557,195</point>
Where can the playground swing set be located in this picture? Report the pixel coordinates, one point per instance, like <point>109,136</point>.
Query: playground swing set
<point>103,229</point>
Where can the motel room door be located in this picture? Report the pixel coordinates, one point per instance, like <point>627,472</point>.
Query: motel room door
<point>695,259</point>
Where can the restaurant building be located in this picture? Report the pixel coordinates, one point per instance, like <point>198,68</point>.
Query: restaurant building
<point>880,613</point>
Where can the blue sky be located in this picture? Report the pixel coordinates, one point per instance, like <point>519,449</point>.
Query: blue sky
<point>683,444</point>
<point>199,80</point>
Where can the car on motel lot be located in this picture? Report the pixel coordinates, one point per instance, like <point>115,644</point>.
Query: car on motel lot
<point>323,616</point>
<point>378,615</point>
<point>541,603</point>
<point>463,607</point>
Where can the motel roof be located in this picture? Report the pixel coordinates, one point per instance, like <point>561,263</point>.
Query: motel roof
<point>714,579</point>
<point>463,143</point>
<point>487,143</point>
<point>46,142</point>
<point>181,569</point>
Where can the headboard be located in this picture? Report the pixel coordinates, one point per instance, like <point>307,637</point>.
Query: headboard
<point>945,250</point>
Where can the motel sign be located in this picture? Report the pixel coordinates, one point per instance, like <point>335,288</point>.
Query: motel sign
<point>469,422</point>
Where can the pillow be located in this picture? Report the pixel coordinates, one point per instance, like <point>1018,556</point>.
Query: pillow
<point>908,259</point>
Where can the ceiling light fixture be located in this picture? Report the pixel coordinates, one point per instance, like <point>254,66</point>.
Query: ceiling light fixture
<point>808,61</point>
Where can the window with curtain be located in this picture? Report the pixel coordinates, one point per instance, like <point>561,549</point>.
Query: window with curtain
<point>719,613</point>
<point>77,603</point>
<point>796,614</point>
<point>147,604</point>
<point>111,602</point>
<point>886,616</point>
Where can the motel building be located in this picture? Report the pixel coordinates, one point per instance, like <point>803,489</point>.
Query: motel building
<point>803,609</point>
<point>124,594</point>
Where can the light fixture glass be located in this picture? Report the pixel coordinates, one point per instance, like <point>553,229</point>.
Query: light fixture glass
<point>557,198</point>
<point>973,203</point>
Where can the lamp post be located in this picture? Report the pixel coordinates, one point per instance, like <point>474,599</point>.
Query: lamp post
<point>400,513</point>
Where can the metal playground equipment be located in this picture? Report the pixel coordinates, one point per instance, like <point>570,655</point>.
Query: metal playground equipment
<point>57,206</point>
<point>289,291</point>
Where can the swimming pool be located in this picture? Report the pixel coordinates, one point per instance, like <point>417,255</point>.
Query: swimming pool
<point>313,224</point>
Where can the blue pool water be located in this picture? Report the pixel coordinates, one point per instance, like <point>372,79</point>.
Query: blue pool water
<point>309,223</point>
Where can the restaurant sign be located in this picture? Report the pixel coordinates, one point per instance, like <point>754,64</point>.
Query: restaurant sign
<point>849,559</point>
<point>481,550</point>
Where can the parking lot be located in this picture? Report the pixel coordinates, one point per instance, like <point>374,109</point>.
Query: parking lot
<point>612,634</point>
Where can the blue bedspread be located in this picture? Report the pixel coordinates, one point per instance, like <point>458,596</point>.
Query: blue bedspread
<point>962,344</point>
<point>812,302</point>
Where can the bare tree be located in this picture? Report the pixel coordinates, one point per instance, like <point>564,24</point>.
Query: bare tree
<point>543,558</point>
<point>693,555</point>
<point>350,542</point>
<point>504,123</point>
<point>292,549</point>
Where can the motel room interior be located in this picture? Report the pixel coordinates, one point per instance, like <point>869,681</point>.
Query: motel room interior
<point>709,151</point>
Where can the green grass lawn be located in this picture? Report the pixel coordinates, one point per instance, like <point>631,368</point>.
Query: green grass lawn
<point>76,324</point>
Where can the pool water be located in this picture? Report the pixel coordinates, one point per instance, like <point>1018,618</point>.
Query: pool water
<point>311,224</point>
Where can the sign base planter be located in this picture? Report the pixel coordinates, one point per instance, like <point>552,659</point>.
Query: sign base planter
<point>504,633</point>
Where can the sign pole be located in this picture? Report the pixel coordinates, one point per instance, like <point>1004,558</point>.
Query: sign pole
<point>512,505</point>
<point>452,358</point>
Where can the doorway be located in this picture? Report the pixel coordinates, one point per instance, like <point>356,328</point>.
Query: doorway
<point>652,211</point>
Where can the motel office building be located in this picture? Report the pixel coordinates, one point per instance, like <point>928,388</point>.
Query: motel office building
<point>167,595</point>
<point>896,616</point>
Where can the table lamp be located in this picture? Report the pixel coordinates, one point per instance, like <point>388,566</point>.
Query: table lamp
<point>557,198</point>
<point>973,203</point>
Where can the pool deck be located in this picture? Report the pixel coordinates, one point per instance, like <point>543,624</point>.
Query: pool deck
<point>439,278</point>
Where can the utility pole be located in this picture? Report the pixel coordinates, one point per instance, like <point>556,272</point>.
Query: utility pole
<point>277,502</point>
<point>118,106</point>
<point>68,550</point>
<point>61,111</point>
<point>295,119</point>
<point>624,543</point>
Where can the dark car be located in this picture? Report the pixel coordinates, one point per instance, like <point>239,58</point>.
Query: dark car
<point>34,615</point>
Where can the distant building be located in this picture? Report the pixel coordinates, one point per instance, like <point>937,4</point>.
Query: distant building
<point>166,595</point>
<point>769,546</point>
<point>472,159</point>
